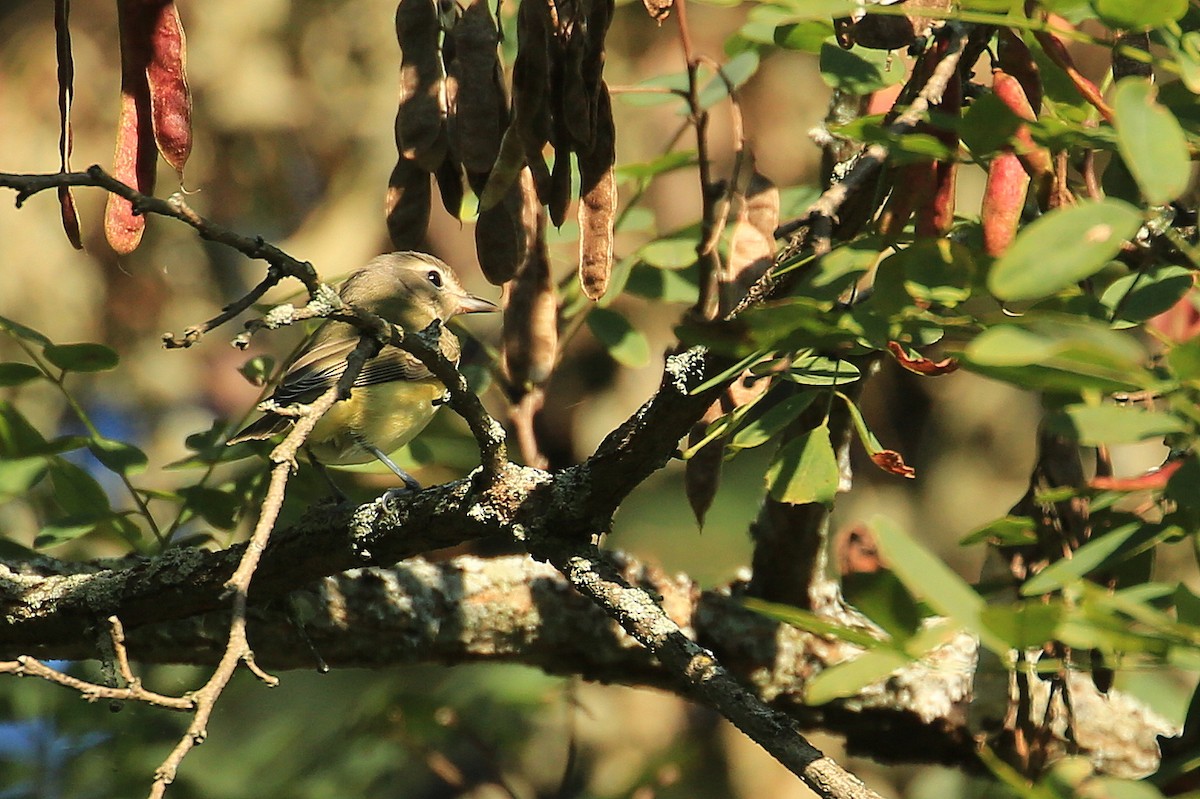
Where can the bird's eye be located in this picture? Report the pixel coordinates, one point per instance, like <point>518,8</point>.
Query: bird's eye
<point>435,278</point>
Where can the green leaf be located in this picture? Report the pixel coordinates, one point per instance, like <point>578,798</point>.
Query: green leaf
<point>16,374</point>
<point>805,470</point>
<point>808,37</point>
<point>801,10</point>
<point>1137,297</point>
<point>218,508</point>
<point>68,529</point>
<point>1140,14</point>
<point>771,422</point>
<point>86,357</point>
<point>663,285</point>
<point>988,125</point>
<point>117,456</point>
<point>18,330</point>
<point>1093,425</point>
<point>1090,557</point>
<point>644,170</point>
<point>18,438</point>
<point>1150,139</point>
<point>18,475</point>
<point>1008,531</point>
<point>1024,625</point>
<point>626,345</point>
<point>736,71</point>
<point>929,579</point>
<point>669,253</point>
<point>77,492</point>
<point>858,71</point>
<point>850,677</point>
<point>811,622</point>
<point>831,276</point>
<point>869,441</point>
<point>937,271</point>
<point>884,600</point>
<point>258,369</point>
<point>1095,232</point>
<point>817,370</point>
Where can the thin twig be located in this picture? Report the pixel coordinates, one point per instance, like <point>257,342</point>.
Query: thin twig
<point>26,666</point>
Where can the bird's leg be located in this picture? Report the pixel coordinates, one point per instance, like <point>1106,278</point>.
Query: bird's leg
<point>410,484</point>
<point>320,467</point>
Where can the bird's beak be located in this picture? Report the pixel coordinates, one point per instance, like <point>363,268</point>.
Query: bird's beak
<point>468,303</point>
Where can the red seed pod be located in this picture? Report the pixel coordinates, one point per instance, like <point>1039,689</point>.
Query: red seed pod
<point>1062,57</point>
<point>134,161</point>
<point>170,98</point>
<point>1003,200</point>
<point>1014,57</point>
<point>66,94</point>
<point>1035,158</point>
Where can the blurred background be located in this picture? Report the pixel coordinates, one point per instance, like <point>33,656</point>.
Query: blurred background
<point>294,106</point>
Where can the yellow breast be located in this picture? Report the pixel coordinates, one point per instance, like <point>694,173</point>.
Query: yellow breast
<point>386,415</point>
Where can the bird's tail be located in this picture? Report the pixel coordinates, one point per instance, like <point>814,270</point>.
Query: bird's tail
<point>267,426</point>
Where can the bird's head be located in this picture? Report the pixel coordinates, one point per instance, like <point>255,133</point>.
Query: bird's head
<point>411,289</point>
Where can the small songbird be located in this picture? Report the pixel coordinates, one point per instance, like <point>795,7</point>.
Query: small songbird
<point>394,396</point>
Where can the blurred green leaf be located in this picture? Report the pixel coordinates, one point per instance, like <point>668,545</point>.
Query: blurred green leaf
<point>18,475</point>
<point>1148,135</point>
<point>627,345</point>
<point>804,469</point>
<point>77,492</point>
<point>810,622</point>
<point>817,370</point>
<point>1141,295</point>
<point>1025,625</point>
<point>734,73</point>
<point>117,456</point>
<point>68,529</point>
<point>829,277</point>
<point>858,71</point>
<point>1139,15</point>
<point>669,162</point>
<point>1095,230</point>
<point>1184,359</point>
<point>1093,425</point>
<point>85,357</point>
<point>819,9</point>
<point>18,438</point>
<point>937,271</point>
<point>22,332</point>
<point>258,369</point>
<point>987,125</point>
<point>1187,606</point>
<point>16,374</point>
<point>218,508</point>
<point>1095,554</point>
<point>761,430</point>
<point>808,37</point>
<point>663,285</point>
<point>1007,531</point>
<point>847,679</point>
<point>884,600</point>
<point>669,253</point>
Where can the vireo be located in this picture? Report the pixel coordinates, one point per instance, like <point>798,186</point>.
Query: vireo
<point>394,396</point>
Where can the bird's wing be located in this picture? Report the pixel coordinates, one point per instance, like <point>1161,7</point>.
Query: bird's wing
<point>324,364</point>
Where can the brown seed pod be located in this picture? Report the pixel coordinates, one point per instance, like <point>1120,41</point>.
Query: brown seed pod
<point>409,197</point>
<point>1003,199</point>
<point>509,163</point>
<point>531,308</point>
<point>702,471</point>
<point>577,106</point>
<point>170,98</point>
<point>481,106</point>
<point>531,79</point>
<point>1058,53</point>
<point>421,116</point>
<point>66,94</point>
<point>913,187</point>
<point>935,217</point>
<point>752,243</point>
<point>597,203</point>
<point>134,161</point>
<point>501,238</point>
<point>1014,57</point>
<point>450,185</point>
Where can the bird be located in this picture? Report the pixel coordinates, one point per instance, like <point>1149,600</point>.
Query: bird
<point>394,396</point>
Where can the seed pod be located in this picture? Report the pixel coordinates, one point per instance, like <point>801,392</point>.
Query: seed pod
<point>135,156</point>
<point>501,237</point>
<point>409,197</point>
<point>1059,54</point>
<point>421,116</point>
<point>1035,158</point>
<point>170,98</point>
<point>559,196</point>
<point>576,108</point>
<point>1014,57</point>
<point>702,471</point>
<point>531,80</point>
<point>597,203</point>
<point>66,94</point>
<point>935,217</point>
<point>752,243</point>
<point>509,163</point>
<point>1003,199</point>
<point>481,107</point>
<point>913,187</point>
<point>450,185</point>
<point>531,307</point>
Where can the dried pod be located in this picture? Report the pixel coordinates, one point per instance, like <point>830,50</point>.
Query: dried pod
<point>501,239</point>
<point>752,243</point>
<point>531,308</point>
<point>421,116</point>
<point>702,471</point>
<point>1003,200</point>
<point>409,197</point>
<point>531,80</point>
<point>577,106</point>
<point>560,185</point>
<point>935,217</point>
<point>450,185</point>
<point>66,94</point>
<point>1057,51</point>
<point>1014,57</point>
<point>481,107</point>
<point>1035,158</point>
<point>913,187</point>
<point>597,203</point>
<point>170,98</point>
<point>509,163</point>
<point>134,161</point>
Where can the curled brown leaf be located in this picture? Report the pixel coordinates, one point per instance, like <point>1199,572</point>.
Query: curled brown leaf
<point>920,364</point>
<point>892,462</point>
